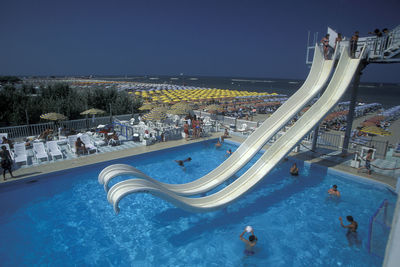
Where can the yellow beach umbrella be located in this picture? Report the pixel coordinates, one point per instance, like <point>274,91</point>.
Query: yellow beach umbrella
<point>93,111</point>
<point>147,106</point>
<point>375,130</point>
<point>52,116</point>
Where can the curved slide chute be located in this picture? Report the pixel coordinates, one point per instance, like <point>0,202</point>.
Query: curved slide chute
<point>340,81</point>
<point>319,74</point>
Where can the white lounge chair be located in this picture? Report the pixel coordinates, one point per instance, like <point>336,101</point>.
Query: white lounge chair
<point>20,153</point>
<point>39,151</point>
<point>88,143</point>
<point>54,149</point>
<point>3,134</point>
<point>9,150</point>
<point>243,128</point>
<point>71,142</point>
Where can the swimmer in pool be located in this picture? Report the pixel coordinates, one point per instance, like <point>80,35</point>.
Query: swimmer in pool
<point>351,234</point>
<point>181,162</point>
<point>249,243</point>
<point>218,144</point>
<point>294,170</point>
<point>333,191</point>
<point>352,227</point>
<point>229,152</point>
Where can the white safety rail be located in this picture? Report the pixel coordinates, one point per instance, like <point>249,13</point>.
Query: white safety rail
<point>317,78</point>
<point>341,79</point>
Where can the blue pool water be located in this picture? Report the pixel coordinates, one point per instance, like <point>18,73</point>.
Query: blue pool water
<point>64,219</point>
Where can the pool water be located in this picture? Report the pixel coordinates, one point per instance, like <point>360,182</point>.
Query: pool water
<point>64,219</point>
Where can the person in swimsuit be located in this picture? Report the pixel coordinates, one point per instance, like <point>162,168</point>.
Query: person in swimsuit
<point>368,160</point>
<point>186,130</point>
<point>325,42</point>
<point>80,146</point>
<point>333,191</point>
<point>338,39</point>
<point>249,250</point>
<point>352,230</point>
<point>353,44</point>
<point>181,162</point>
<point>229,152</point>
<point>6,161</point>
<point>218,144</point>
<point>294,170</point>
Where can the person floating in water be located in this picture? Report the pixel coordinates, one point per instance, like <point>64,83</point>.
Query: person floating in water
<point>294,170</point>
<point>181,162</point>
<point>333,191</point>
<point>352,230</point>
<point>229,152</point>
<point>249,243</point>
<point>218,144</point>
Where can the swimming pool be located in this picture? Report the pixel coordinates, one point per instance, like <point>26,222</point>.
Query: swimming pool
<point>64,219</point>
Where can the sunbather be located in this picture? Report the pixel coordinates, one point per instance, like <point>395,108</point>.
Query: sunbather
<point>80,146</point>
<point>7,141</point>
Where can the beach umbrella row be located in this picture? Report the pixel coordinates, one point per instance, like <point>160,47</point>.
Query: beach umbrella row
<point>170,96</point>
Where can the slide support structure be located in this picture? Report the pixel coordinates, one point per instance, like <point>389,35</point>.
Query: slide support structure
<point>353,101</point>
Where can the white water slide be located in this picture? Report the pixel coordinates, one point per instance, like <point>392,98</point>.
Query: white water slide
<point>317,78</point>
<point>341,79</point>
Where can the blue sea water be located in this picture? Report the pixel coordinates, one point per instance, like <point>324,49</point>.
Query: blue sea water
<point>64,219</point>
<point>387,94</point>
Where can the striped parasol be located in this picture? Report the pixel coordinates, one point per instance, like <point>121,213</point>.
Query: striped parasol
<point>155,115</point>
<point>147,106</point>
<point>375,130</point>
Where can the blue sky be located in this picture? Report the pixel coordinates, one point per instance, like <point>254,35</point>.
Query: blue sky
<point>209,38</point>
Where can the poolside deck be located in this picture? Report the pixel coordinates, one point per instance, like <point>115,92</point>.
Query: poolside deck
<point>331,160</point>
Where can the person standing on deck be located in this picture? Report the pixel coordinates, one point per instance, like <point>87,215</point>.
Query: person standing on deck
<point>325,43</point>
<point>6,161</point>
<point>338,39</point>
<point>353,44</point>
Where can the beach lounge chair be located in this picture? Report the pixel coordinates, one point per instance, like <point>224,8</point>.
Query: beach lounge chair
<point>39,151</point>
<point>243,128</point>
<point>54,149</point>
<point>71,143</point>
<point>9,150</point>
<point>20,153</point>
<point>88,143</point>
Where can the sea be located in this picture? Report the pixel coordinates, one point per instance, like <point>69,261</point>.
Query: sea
<point>387,94</point>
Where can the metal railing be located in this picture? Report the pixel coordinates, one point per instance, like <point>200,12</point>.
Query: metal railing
<point>383,49</point>
<point>334,141</point>
<point>23,131</point>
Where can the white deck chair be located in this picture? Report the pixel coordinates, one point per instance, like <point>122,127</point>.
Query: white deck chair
<point>39,151</point>
<point>71,142</point>
<point>3,134</point>
<point>243,128</point>
<point>88,143</point>
<point>20,153</point>
<point>54,149</point>
<point>9,150</point>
